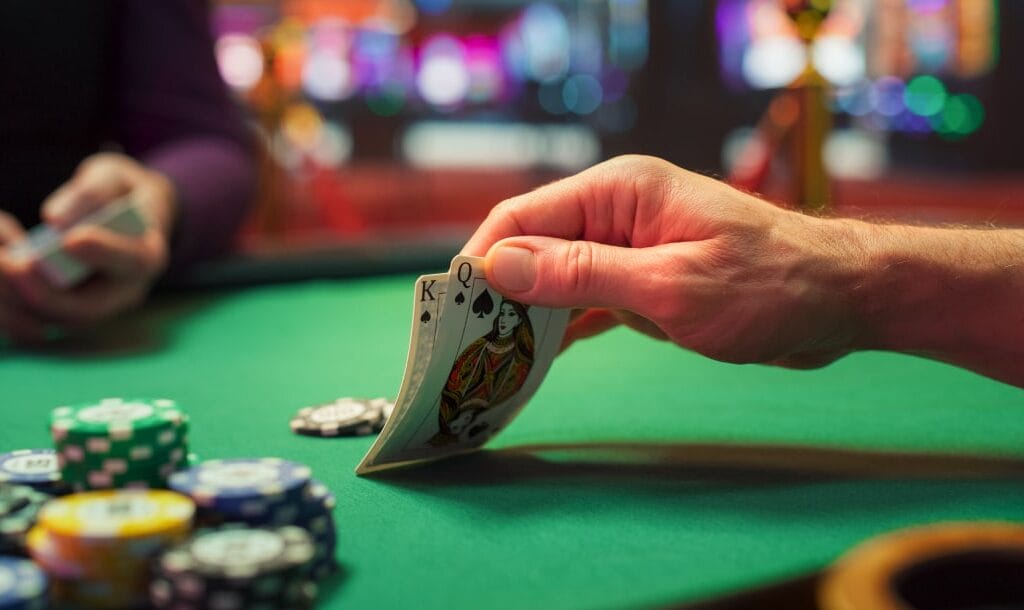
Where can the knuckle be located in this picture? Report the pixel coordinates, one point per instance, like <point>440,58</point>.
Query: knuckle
<point>578,265</point>
<point>636,163</point>
<point>504,209</point>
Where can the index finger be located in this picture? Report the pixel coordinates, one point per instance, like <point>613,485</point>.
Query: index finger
<point>122,256</point>
<point>97,182</point>
<point>598,204</point>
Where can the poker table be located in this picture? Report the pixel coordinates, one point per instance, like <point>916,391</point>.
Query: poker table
<point>640,475</point>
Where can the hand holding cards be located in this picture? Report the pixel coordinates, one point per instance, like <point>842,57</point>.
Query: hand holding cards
<point>44,242</point>
<point>475,359</point>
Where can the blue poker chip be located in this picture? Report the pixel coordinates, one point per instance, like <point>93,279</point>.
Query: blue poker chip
<point>317,518</point>
<point>22,585</point>
<point>33,467</point>
<point>317,500</point>
<point>246,489</point>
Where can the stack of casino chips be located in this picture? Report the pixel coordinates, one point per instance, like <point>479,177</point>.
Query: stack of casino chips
<point>236,567</point>
<point>19,508</point>
<point>97,546</point>
<point>23,586</point>
<point>264,492</point>
<point>120,443</point>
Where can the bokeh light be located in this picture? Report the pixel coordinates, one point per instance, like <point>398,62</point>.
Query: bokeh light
<point>887,96</point>
<point>962,115</point>
<point>582,94</point>
<point>332,146</point>
<point>925,95</point>
<point>301,125</point>
<point>433,7</point>
<point>483,64</point>
<point>240,60</point>
<point>327,76</point>
<point>551,98</point>
<point>774,62</point>
<point>443,79</point>
<point>839,59</point>
<point>545,38</point>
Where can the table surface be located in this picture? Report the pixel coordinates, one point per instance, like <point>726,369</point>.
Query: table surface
<point>640,474</point>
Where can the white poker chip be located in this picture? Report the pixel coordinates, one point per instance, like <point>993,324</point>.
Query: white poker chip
<point>343,417</point>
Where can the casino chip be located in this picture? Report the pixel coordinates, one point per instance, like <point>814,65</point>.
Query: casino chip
<point>19,507</point>
<point>96,546</point>
<point>237,567</point>
<point>385,414</point>
<point>264,492</point>
<point>23,585</point>
<point>316,517</point>
<point>244,488</point>
<point>12,498</point>
<point>120,443</point>
<point>343,417</point>
<point>37,468</point>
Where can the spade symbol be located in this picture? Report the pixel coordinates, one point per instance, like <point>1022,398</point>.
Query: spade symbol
<point>483,305</point>
<point>425,317</point>
<point>459,299</point>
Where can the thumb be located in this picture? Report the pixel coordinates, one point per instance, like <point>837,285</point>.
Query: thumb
<point>96,182</point>
<point>554,272</point>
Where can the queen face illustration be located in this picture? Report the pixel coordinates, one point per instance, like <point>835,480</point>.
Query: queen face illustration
<point>488,372</point>
<point>508,319</point>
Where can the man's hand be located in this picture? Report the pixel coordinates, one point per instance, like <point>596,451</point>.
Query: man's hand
<point>675,255</point>
<point>126,266</point>
<point>679,256</point>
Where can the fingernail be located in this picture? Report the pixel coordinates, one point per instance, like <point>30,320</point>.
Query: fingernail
<point>514,268</point>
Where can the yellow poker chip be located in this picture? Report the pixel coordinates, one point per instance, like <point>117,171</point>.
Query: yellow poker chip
<point>117,514</point>
<point>50,556</point>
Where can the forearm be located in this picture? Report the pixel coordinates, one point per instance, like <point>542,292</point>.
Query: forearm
<point>955,295</point>
<point>172,112</point>
<point>214,182</point>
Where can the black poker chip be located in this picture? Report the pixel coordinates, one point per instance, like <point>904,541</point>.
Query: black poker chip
<point>19,507</point>
<point>237,567</point>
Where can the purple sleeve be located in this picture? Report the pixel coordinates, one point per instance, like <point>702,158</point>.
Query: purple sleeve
<point>172,112</point>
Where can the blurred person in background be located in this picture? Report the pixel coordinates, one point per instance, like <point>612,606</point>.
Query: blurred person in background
<point>106,99</point>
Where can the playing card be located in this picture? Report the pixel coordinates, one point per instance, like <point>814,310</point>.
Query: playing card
<point>44,242</point>
<point>489,357</point>
<point>428,305</point>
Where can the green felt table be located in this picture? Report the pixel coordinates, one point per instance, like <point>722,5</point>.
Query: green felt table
<point>640,475</point>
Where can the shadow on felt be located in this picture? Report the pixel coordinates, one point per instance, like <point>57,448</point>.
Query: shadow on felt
<point>754,464</point>
<point>149,329</point>
<point>771,482</point>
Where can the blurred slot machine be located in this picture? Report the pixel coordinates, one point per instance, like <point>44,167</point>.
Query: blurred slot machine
<point>395,114</point>
<point>892,70</point>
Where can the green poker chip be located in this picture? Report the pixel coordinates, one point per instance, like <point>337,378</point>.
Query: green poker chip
<point>118,443</point>
<point>117,419</point>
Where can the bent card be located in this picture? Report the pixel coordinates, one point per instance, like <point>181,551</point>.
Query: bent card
<point>428,303</point>
<point>490,356</point>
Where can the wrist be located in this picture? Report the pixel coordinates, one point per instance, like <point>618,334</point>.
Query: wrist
<point>936,292</point>
<point>162,203</point>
